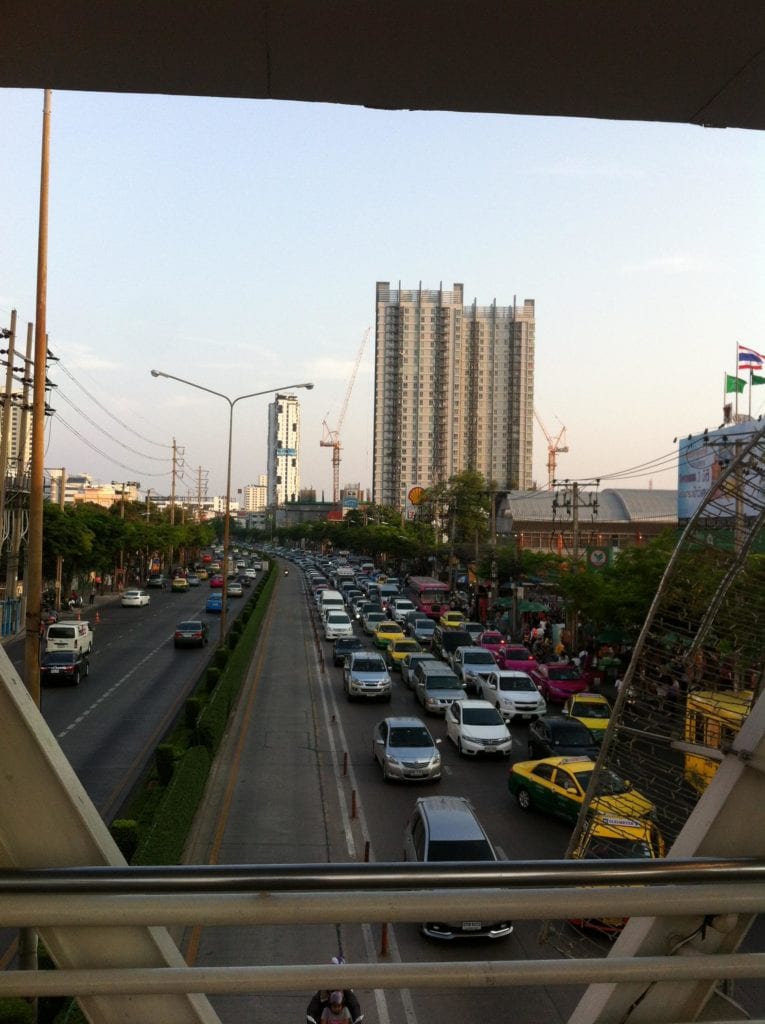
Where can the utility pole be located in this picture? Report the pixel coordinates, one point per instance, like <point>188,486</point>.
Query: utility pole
<point>33,575</point>
<point>21,475</point>
<point>569,499</point>
<point>5,430</point>
<point>60,558</point>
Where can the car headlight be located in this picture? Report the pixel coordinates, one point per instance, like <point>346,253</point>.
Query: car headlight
<point>392,761</point>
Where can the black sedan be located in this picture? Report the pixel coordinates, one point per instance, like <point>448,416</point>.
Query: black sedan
<point>344,645</point>
<point>560,737</point>
<point>66,667</point>
<point>191,633</point>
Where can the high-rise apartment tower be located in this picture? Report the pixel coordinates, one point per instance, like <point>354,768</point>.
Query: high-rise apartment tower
<point>283,446</point>
<point>454,390</point>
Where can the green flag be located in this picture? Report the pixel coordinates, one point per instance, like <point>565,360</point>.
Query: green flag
<point>736,384</point>
<point>758,380</point>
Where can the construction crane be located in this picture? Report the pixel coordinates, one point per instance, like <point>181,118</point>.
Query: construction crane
<point>331,438</point>
<point>555,446</point>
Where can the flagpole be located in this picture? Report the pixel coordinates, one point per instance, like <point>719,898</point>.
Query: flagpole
<point>736,365</point>
<point>751,374</point>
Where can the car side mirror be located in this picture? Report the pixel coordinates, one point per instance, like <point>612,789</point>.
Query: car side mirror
<point>439,741</point>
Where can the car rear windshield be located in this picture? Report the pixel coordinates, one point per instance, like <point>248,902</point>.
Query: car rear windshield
<point>478,657</point>
<point>186,626</point>
<point>459,849</point>
<point>443,682</point>
<point>516,685</point>
<point>410,737</point>
<point>563,672</point>
<point>481,716</point>
<point>60,632</point>
<point>570,736</point>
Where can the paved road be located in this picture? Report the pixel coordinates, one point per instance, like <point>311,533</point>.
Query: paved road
<point>280,796</point>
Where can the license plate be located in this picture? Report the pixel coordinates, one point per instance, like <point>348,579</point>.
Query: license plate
<point>416,775</point>
<point>471,926</point>
<point>525,714</point>
<point>55,671</point>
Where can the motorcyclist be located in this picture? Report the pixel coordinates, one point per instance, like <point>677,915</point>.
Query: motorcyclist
<point>322,999</point>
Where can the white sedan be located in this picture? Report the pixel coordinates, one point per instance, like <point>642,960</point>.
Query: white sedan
<point>135,598</point>
<point>476,727</point>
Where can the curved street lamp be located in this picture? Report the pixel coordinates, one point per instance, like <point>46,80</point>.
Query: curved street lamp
<point>231,403</point>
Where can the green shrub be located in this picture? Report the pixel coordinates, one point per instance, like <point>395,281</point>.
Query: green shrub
<point>221,657</point>
<point>16,1011</point>
<point>212,677</point>
<point>164,758</point>
<point>125,834</point>
<point>191,711</point>
<point>165,840</point>
<point>70,1014</point>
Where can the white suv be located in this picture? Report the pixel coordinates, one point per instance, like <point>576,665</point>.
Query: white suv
<point>513,694</point>
<point>337,624</point>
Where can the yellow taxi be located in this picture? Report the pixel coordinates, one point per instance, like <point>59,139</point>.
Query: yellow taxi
<point>608,836</point>
<point>386,632</point>
<point>557,785</point>
<point>451,619</point>
<point>179,584</point>
<point>592,710</point>
<point>398,650</point>
<point>202,574</point>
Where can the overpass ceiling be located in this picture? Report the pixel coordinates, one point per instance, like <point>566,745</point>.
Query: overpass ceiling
<point>690,61</point>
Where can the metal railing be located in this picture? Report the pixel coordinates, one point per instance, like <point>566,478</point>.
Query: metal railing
<point>242,895</point>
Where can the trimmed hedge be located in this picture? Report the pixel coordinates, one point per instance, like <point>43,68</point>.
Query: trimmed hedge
<point>165,840</point>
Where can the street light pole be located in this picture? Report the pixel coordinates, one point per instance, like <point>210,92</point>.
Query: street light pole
<point>231,403</point>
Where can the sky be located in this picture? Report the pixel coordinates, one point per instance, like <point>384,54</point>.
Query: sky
<point>237,243</point>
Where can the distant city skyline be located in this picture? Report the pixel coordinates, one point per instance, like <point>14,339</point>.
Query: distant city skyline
<point>237,243</point>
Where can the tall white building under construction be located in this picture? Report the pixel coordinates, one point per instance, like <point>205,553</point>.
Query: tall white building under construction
<point>454,390</point>
<point>283,446</point>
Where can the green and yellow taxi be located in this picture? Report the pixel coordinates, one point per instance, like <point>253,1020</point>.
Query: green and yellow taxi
<point>592,710</point>
<point>557,785</point>
<point>606,837</point>
<point>451,619</point>
<point>398,650</point>
<point>386,632</point>
<point>179,585</point>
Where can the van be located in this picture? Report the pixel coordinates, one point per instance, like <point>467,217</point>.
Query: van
<point>330,599</point>
<point>446,641</point>
<point>69,636</point>
<point>436,686</point>
<point>447,829</point>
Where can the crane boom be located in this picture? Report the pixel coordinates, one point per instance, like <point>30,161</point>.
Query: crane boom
<point>555,446</point>
<point>331,438</point>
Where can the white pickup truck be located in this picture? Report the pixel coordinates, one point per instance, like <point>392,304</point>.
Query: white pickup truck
<point>69,636</point>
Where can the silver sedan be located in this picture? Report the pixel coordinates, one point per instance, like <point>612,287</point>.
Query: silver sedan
<point>405,749</point>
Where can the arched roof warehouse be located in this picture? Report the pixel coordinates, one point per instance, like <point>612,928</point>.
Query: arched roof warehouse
<point>624,517</point>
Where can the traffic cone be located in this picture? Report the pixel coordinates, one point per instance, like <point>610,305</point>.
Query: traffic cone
<point>79,616</point>
<point>98,618</point>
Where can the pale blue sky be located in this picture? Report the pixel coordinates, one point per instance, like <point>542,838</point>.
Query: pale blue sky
<point>237,243</point>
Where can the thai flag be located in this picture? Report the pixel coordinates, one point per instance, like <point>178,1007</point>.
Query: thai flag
<point>748,359</point>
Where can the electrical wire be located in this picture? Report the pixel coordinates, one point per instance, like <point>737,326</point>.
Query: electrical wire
<point>71,404</point>
<point>98,451</point>
<point>108,411</point>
